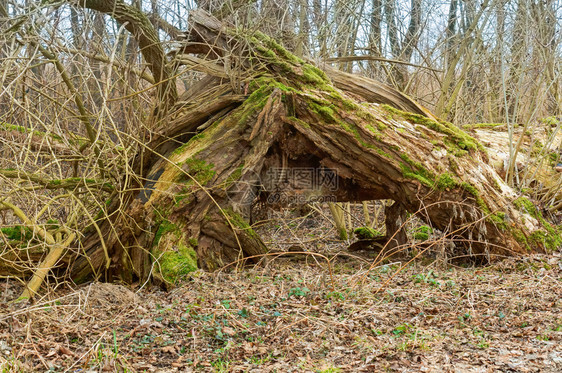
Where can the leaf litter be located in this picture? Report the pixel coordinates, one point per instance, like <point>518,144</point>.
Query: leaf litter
<point>293,314</point>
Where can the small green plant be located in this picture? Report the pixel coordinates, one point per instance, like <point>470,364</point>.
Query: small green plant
<point>220,365</point>
<point>115,347</point>
<point>401,329</point>
<point>335,295</point>
<point>430,278</point>
<point>259,360</point>
<point>550,121</point>
<point>477,332</point>
<point>299,292</point>
<point>377,331</point>
<point>244,313</point>
<point>466,317</point>
<point>330,370</point>
<point>483,344</point>
<point>543,337</point>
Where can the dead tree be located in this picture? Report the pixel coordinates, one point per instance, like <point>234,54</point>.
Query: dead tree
<point>260,109</point>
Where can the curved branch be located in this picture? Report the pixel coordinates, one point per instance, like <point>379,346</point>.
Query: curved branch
<point>138,24</point>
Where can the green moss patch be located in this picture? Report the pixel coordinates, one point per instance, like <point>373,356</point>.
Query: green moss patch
<point>175,257</point>
<point>198,169</point>
<point>176,263</point>
<point>314,75</point>
<point>239,222</point>
<point>415,170</point>
<point>192,140</point>
<point>164,227</point>
<point>550,237</point>
<point>446,181</point>
<point>17,233</point>
<point>422,233</point>
<point>457,137</point>
<point>476,194</point>
<point>483,125</point>
<point>366,233</point>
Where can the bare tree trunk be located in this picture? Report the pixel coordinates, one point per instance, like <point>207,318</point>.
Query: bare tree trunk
<point>375,34</point>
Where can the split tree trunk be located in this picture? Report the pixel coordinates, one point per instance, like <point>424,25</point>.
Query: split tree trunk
<point>262,110</point>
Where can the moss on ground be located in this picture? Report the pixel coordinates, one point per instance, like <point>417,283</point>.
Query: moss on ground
<point>366,233</point>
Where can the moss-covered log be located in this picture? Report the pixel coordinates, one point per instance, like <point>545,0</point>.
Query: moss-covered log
<point>279,112</point>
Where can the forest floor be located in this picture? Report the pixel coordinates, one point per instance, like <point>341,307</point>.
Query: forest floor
<point>297,314</point>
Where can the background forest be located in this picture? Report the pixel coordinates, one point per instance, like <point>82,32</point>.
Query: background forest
<point>467,61</point>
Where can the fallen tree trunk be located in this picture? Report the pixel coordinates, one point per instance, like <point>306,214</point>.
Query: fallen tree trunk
<point>267,126</point>
<point>244,139</point>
